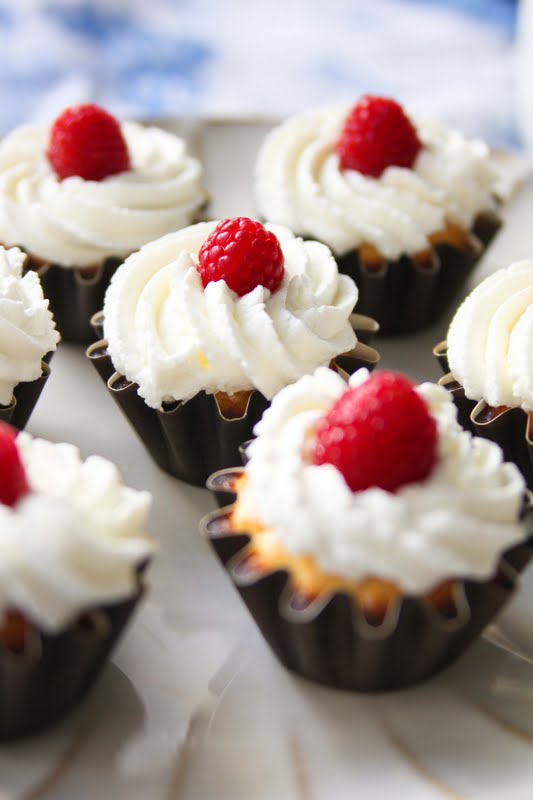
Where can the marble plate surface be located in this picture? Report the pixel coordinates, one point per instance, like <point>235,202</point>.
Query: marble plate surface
<point>193,705</point>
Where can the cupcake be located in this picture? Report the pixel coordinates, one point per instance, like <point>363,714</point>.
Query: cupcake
<point>27,336</point>
<point>202,327</point>
<point>406,205</point>
<point>73,546</point>
<point>489,363</point>
<point>81,195</point>
<point>371,538</point>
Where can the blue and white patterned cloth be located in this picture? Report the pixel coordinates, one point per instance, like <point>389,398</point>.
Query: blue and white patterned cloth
<point>149,58</point>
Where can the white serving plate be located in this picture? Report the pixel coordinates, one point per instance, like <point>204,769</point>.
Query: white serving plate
<point>194,706</point>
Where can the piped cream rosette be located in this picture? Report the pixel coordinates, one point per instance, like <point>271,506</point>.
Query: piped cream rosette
<point>79,223</point>
<point>174,338</point>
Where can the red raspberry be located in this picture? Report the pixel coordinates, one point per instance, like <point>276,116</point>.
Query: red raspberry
<point>13,483</point>
<point>379,433</point>
<point>87,141</point>
<point>242,253</point>
<point>377,134</point>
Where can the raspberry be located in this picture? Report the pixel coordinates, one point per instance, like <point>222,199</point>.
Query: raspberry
<point>377,134</point>
<point>242,253</point>
<point>87,141</point>
<point>379,433</point>
<point>13,483</point>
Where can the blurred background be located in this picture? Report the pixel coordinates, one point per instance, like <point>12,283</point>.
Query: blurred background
<point>151,58</point>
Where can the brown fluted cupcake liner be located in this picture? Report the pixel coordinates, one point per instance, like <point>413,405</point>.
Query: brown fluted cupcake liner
<point>193,439</point>
<point>97,324</point>
<point>365,327</point>
<point>406,295</point>
<point>53,673</point>
<point>332,643</point>
<point>25,396</point>
<point>511,428</point>
<point>74,294</point>
<point>222,483</point>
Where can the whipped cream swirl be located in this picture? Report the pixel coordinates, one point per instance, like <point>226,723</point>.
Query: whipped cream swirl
<point>490,339</point>
<point>454,524</point>
<point>75,541</point>
<point>75,222</point>
<point>298,183</point>
<point>27,328</point>
<point>174,338</point>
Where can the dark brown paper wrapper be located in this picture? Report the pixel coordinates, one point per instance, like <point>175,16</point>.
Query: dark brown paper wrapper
<point>193,439</point>
<point>41,685</point>
<point>25,396</point>
<point>403,296</point>
<point>511,430</point>
<point>222,483</point>
<point>74,294</point>
<point>334,644</point>
<point>97,325</point>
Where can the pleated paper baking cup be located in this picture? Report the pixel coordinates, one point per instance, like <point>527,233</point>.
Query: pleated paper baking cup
<point>407,295</point>
<point>510,428</point>
<point>49,677</point>
<point>193,439</point>
<point>24,400</point>
<point>331,642</point>
<point>74,294</point>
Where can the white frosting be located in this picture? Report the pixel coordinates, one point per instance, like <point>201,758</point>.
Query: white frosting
<point>75,542</point>
<point>456,523</point>
<point>490,340</point>
<point>298,183</point>
<point>75,222</point>
<point>174,338</point>
<point>27,328</point>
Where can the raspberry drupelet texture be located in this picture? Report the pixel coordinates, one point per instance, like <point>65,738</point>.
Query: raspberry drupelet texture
<point>87,141</point>
<point>379,433</point>
<point>244,254</point>
<point>377,134</point>
<point>13,482</point>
